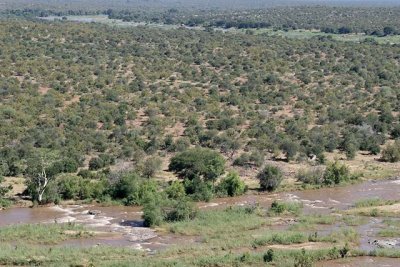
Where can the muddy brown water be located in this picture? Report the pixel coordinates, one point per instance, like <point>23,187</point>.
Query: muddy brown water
<point>124,224</point>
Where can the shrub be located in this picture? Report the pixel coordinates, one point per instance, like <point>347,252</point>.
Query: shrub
<point>132,189</point>
<point>96,163</point>
<point>198,190</point>
<point>69,186</point>
<point>231,185</point>
<point>391,153</point>
<point>269,256</point>
<point>312,176</point>
<point>151,166</point>
<point>182,210</point>
<point>152,212</point>
<point>278,207</point>
<point>175,190</point>
<point>270,178</point>
<point>336,173</point>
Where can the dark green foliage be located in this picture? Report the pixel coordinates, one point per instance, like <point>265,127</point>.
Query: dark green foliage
<point>269,256</point>
<point>199,190</point>
<point>132,189</point>
<point>231,185</point>
<point>198,162</point>
<point>270,178</point>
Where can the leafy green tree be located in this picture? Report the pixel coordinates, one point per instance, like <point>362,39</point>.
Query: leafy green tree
<point>198,162</point>
<point>270,178</point>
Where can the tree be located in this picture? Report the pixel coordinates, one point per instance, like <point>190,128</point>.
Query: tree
<point>198,162</point>
<point>38,177</point>
<point>151,166</point>
<point>270,178</point>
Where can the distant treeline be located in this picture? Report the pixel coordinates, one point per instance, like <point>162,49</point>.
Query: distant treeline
<point>334,20</point>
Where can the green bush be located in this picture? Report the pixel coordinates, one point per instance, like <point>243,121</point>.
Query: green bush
<point>157,209</point>
<point>199,190</point>
<point>152,212</point>
<point>336,173</point>
<point>182,210</point>
<point>175,190</point>
<point>270,178</point>
<point>231,185</point>
<point>391,153</point>
<point>69,186</point>
<point>132,189</point>
<point>312,176</point>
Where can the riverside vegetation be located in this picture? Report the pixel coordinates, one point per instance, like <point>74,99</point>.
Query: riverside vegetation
<point>163,118</point>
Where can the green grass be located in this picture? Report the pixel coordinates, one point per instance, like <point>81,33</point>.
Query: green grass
<point>219,222</point>
<point>373,202</point>
<point>281,238</point>
<point>41,233</point>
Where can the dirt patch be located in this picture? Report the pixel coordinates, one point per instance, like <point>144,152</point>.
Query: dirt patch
<point>17,183</point>
<point>43,90</point>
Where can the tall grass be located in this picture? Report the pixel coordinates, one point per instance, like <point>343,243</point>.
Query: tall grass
<point>41,233</point>
<point>219,222</point>
<point>373,202</point>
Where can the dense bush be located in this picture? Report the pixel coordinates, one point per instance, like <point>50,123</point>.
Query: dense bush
<point>231,185</point>
<point>391,153</point>
<point>132,189</point>
<point>336,173</point>
<point>270,178</point>
<point>311,176</point>
<point>158,209</point>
